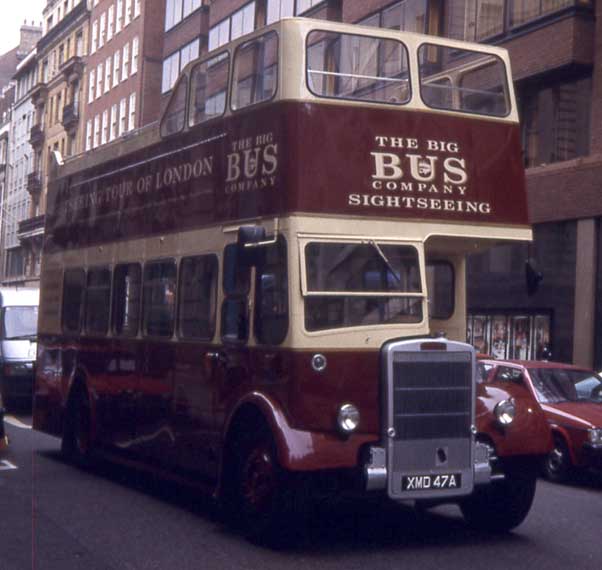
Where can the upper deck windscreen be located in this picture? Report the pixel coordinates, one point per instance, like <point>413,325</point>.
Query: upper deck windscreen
<point>463,80</point>
<point>348,66</point>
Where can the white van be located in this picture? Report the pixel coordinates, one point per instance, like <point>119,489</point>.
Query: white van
<point>18,342</point>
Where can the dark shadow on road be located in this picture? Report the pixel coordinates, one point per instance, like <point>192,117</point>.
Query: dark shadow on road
<point>585,479</point>
<point>333,527</point>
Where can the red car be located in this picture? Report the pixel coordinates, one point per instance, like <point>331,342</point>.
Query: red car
<point>571,399</point>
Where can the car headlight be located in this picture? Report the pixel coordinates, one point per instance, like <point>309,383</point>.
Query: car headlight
<point>595,435</point>
<point>348,418</point>
<point>505,412</point>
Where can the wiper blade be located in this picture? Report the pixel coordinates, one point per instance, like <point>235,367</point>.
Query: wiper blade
<point>31,336</point>
<point>386,261</point>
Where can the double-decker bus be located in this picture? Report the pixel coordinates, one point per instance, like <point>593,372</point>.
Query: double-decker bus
<point>268,287</point>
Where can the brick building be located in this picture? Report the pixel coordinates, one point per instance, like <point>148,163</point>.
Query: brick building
<point>123,69</point>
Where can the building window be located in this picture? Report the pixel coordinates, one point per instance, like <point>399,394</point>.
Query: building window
<point>278,9</point>
<point>102,30</point>
<point>171,69</point>
<point>409,15</point>
<point>122,117</point>
<point>114,120</point>
<point>125,67</point>
<point>522,11</point>
<point>239,23</point>
<point>104,137</point>
<point>119,16</point>
<point>132,120</point>
<point>128,13</point>
<point>135,49</point>
<point>108,74</point>
<point>98,80</point>
<point>91,84</point>
<point>94,36</point>
<point>555,121</point>
<point>96,140</point>
<point>110,21</point>
<point>177,10</point>
<point>116,58</point>
<point>188,53</point>
<point>137,8</point>
<point>89,135</point>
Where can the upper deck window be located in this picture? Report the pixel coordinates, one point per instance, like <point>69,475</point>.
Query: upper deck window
<point>463,80</point>
<point>208,86</point>
<point>255,76</point>
<point>175,114</point>
<point>364,68</point>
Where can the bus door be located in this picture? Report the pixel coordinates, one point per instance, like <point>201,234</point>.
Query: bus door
<point>231,363</point>
<point>192,410</point>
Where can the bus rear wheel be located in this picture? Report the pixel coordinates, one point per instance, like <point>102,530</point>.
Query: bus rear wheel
<point>502,505</point>
<point>76,444</point>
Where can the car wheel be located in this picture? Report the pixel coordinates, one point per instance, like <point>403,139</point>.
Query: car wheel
<point>76,444</point>
<point>557,465</point>
<point>502,505</point>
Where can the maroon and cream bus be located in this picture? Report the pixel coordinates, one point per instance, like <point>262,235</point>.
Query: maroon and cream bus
<point>268,287</point>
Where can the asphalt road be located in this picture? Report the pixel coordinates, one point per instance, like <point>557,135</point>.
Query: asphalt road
<point>55,516</point>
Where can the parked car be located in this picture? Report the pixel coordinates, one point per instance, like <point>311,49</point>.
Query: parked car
<point>571,399</point>
<point>18,342</point>
<point>3,438</point>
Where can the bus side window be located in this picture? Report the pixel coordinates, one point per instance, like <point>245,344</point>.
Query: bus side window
<point>197,297</point>
<point>74,284</point>
<point>126,299</point>
<point>174,117</point>
<point>271,295</point>
<point>159,298</point>
<point>236,283</point>
<point>98,296</point>
<point>208,87</point>
<point>255,76</point>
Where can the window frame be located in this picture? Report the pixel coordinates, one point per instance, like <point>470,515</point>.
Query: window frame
<point>352,99</point>
<point>86,325</point>
<point>232,70</point>
<point>143,317</point>
<point>213,258</point>
<point>82,300</point>
<point>114,300</point>
<point>190,111</point>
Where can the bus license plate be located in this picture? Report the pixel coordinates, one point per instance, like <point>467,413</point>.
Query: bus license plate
<point>431,482</point>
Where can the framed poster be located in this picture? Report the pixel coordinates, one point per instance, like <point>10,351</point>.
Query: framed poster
<point>521,337</point>
<point>499,336</point>
<point>541,337</point>
<point>480,333</point>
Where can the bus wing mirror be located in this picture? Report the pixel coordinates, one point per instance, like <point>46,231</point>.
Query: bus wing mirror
<point>533,277</point>
<point>250,235</point>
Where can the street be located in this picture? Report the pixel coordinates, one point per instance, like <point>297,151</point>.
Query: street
<point>55,516</point>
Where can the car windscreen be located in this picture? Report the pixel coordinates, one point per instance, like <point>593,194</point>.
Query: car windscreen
<point>19,322</point>
<point>553,385</point>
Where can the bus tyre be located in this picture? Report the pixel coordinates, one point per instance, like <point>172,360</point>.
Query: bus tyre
<point>557,466</point>
<point>501,505</point>
<point>76,444</point>
<point>257,500</point>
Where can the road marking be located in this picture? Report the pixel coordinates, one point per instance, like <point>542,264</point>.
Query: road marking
<point>15,422</point>
<point>7,465</point>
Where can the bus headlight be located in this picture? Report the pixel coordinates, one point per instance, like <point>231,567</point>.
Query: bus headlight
<point>348,418</point>
<point>505,412</point>
<point>595,436</point>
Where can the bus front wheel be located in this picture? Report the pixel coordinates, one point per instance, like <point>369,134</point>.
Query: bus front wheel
<point>257,496</point>
<point>76,444</point>
<point>502,505</point>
